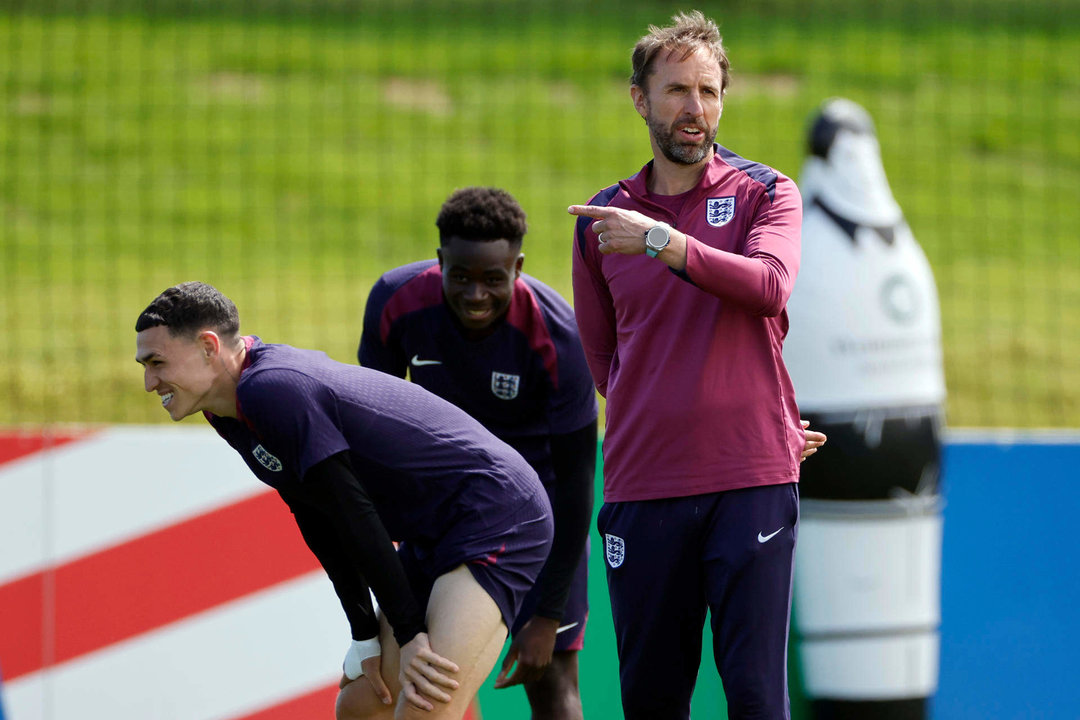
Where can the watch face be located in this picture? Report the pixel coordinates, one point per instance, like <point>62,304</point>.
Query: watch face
<point>656,238</point>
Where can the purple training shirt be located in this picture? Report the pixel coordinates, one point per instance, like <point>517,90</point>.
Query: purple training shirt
<point>429,468</point>
<point>698,398</point>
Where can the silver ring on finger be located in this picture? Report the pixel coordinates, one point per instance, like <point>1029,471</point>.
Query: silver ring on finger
<point>600,237</point>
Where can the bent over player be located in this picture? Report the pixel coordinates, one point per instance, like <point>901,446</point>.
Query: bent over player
<point>504,347</point>
<point>363,459</point>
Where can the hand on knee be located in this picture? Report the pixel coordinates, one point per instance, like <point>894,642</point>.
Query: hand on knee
<point>426,677</point>
<point>357,700</point>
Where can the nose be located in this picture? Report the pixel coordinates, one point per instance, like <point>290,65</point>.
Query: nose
<point>475,291</point>
<point>693,105</point>
<point>150,380</point>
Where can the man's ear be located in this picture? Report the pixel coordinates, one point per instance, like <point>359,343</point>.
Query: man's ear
<point>518,264</point>
<point>438,254</point>
<point>641,103</point>
<point>209,343</point>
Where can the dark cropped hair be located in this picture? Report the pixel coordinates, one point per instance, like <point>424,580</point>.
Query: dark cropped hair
<point>481,213</point>
<point>688,32</point>
<point>189,308</point>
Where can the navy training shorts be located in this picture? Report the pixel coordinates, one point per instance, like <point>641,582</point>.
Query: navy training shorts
<point>505,559</point>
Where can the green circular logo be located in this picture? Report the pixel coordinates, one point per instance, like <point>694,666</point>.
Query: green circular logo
<point>900,299</point>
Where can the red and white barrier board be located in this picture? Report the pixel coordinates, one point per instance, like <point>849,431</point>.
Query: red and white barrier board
<point>145,573</point>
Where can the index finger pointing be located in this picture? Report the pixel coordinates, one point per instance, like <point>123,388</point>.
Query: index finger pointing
<point>594,211</point>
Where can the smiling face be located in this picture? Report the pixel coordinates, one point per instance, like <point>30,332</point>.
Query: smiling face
<point>681,103</point>
<point>182,371</point>
<point>478,280</point>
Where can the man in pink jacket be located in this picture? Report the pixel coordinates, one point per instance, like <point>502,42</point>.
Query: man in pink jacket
<point>681,276</point>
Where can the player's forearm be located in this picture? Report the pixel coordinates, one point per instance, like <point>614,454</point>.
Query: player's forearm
<point>574,461</point>
<point>557,576</point>
<point>382,569</point>
<point>366,542</point>
<point>352,592</point>
<point>759,285</point>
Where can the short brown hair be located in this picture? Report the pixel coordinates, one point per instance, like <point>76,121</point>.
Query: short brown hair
<point>189,308</point>
<point>689,32</point>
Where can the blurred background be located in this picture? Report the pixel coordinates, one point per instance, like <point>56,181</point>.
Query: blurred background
<point>290,151</point>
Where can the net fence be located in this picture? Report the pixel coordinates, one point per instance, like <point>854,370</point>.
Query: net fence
<point>289,152</point>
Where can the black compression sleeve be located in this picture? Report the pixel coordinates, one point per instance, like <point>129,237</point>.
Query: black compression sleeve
<point>350,586</point>
<point>573,456</point>
<point>333,486</point>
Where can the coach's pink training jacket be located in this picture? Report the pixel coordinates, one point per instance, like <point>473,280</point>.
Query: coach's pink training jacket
<point>698,398</point>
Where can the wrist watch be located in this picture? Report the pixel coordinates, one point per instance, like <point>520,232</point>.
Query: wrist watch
<point>656,239</point>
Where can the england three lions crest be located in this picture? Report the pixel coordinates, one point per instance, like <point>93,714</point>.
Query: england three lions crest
<point>265,459</point>
<point>614,550</point>
<point>719,211</point>
<point>505,386</point>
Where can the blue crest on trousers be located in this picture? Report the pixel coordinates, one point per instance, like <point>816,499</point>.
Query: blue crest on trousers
<point>614,550</point>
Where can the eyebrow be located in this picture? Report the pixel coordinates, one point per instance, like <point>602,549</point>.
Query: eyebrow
<point>142,359</point>
<point>468,270</point>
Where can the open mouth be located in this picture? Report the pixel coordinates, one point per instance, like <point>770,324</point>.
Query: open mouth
<point>166,399</point>
<point>691,132</point>
<point>477,313</point>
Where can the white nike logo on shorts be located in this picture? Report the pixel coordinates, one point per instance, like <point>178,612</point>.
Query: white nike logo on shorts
<point>416,361</point>
<point>566,627</point>
<point>766,538</point>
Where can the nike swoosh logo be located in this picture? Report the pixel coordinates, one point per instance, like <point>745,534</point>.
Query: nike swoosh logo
<point>566,627</point>
<point>766,538</point>
<point>416,361</point>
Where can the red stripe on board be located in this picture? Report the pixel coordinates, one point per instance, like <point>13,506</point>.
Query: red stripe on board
<point>20,444</point>
<point>148,582</point>
<point>22,625</point>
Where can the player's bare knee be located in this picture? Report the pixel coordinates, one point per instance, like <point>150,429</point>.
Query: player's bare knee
<point>562,707</point>
<point>556,696</point>
<point>442,711</point>
<point>564,704</point>
<point>357,701</point>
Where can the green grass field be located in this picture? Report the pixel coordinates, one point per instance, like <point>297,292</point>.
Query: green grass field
<point>291,154</point>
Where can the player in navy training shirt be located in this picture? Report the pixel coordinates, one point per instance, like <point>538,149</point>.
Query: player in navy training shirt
<point>364,459</point>
<point>504,347</point>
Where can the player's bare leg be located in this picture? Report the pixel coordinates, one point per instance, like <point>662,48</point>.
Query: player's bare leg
<point>556,696</point>
<point>465,626</point>
<point>357,699</point>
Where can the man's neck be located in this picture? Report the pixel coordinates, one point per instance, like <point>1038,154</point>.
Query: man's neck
<point>232,362</point>
<point>669,178</point>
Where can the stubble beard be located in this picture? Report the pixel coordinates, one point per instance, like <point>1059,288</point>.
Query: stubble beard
<point>678,152</point>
